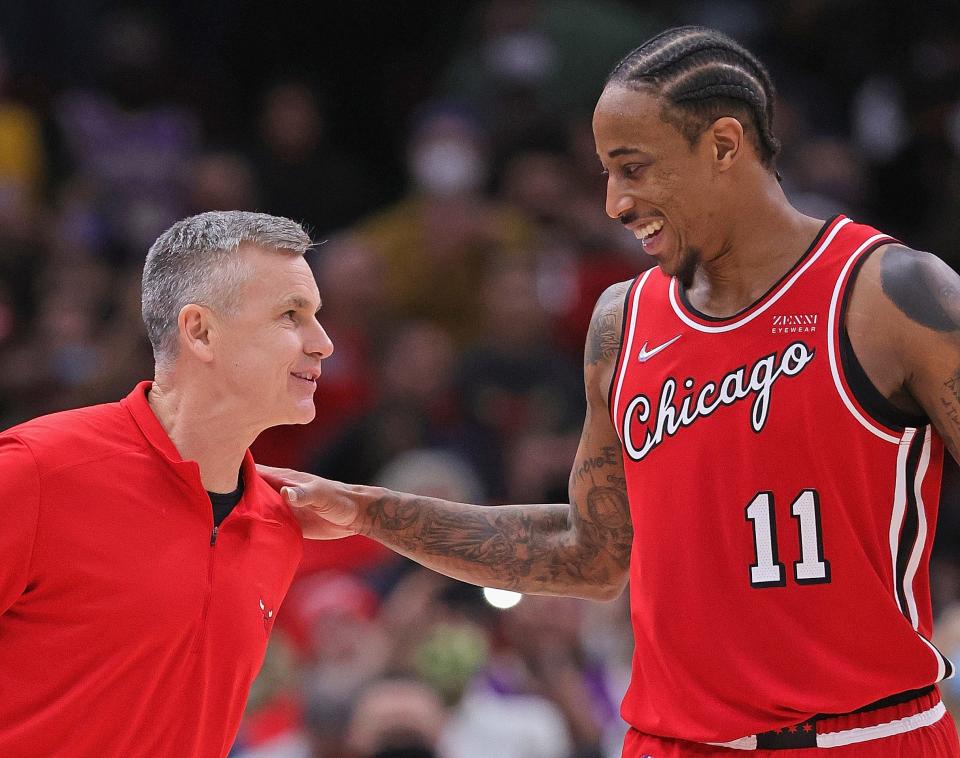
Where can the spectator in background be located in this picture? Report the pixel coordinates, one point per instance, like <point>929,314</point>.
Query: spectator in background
<point>22,152</point>
<point>436,242</point>
<point>221,181</point>
<point>512,381</point>
<point>416,404</point>
<point>530,64</point>
<point>129,142</point>
<point>396,718</point>
<point>302,174</point>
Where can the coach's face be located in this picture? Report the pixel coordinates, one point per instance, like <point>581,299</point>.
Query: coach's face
<point>268,349</point>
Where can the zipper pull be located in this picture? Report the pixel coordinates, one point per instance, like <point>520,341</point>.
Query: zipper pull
<point>213,536</point>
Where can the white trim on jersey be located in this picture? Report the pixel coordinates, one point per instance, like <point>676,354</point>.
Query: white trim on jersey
<point>832,350</point>
<point>626,352</point>
<point>900,500</point>
<point>766,306</point>
<point>921,541</point>
<point>899,510</point>
<point>858,734</point>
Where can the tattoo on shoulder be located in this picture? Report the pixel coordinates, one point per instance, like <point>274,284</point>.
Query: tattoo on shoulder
<point>922,287</point>
<point>950,412</point>
<point>603,341</point>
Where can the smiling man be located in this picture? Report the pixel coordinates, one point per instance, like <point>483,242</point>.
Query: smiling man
<point>767,412</point>
<point>143,558</point>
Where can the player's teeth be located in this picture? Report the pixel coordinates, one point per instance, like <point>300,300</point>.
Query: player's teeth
<point>651,228</point>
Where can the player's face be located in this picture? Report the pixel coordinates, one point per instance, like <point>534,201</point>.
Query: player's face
<point>269,350</point>
<point>658,186</point>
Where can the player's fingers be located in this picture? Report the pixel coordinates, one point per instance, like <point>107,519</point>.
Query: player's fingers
<point>323,498</point>
<point>276,477</point>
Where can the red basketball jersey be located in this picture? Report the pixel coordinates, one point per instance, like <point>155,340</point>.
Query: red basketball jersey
<point>781,532</point>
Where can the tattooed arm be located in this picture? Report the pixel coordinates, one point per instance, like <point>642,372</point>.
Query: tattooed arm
<point>904,325</point>
<point>580,549</point>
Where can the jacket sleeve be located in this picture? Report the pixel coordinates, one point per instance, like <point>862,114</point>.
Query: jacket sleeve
<point>19,515</point>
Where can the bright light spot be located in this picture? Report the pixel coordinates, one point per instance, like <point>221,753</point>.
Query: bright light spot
<point>502,599</point>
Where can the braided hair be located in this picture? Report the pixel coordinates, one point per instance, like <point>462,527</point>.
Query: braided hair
<point>704,75</point>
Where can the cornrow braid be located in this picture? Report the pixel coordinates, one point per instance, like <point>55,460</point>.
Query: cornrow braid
<point>704,75</point>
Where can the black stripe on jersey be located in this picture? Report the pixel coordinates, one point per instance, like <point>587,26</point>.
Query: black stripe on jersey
<point>948,666</point>
<point>911,519</point>
<point>863,389</point>
<point>623,333</point>
<point>948,669</point>
<point>813,246</point>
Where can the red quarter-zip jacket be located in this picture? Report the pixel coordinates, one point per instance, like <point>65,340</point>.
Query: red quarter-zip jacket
<point>129,626</point>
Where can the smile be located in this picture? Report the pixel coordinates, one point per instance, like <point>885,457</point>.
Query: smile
<point>648,230</point>
<point>307,376</point>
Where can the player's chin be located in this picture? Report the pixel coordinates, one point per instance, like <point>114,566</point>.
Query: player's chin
<point>671,265</point>
<point>682,265</point>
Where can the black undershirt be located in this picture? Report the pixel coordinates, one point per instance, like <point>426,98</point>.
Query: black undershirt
<point>223,503</point>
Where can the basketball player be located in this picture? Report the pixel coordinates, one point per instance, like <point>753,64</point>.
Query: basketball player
<point>142,559</point>
<point>767,414</point>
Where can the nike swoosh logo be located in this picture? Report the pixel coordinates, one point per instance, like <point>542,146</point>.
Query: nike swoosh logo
<point>646,355</point>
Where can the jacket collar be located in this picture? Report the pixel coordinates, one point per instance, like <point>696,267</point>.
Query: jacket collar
<point>139,408</point>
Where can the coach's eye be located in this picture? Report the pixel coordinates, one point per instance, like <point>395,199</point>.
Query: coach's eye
<point>292,315</point>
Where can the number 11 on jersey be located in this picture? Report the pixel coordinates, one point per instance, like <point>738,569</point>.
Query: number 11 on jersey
<point>768,571</point>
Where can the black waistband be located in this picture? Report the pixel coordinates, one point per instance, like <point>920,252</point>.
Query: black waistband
<point>902,697</point>
<point>804,734</point>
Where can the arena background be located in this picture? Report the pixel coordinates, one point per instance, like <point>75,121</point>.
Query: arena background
<point>443,153</point>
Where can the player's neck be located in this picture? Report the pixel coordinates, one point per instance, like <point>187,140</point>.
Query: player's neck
<point>204,431</point>
<point>758,253</point>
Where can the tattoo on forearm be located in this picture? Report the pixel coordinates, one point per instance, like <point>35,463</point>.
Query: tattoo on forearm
<point>607,458</point>
<point>912,281</point>
<point>603,341</point>
<point>393,515</point>
<point>608,508</point>
<point>527,548</point>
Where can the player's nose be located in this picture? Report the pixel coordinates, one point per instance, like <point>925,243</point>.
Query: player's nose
<point>617,202</point>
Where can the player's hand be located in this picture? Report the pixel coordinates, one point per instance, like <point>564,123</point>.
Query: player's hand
<point>323,507</point>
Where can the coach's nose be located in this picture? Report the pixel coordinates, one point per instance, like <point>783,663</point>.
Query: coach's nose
<point>318,342</point>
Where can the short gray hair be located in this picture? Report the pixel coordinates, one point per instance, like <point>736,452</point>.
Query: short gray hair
<point>194,261</point>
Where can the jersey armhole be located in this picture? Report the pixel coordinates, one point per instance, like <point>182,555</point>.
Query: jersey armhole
<point>620,350</point>
<point>863,389</point>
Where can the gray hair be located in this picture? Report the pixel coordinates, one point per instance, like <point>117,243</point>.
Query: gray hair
<point>194,261</point>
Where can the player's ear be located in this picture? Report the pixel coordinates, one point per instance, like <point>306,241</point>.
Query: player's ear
<point>196,330</point>
<point>726,139</point>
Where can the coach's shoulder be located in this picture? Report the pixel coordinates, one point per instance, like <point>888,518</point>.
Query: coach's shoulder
<point>72,434</point>
<point>266,501</point>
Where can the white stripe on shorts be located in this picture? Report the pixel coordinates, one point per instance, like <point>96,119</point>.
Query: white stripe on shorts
<point>859,734</point>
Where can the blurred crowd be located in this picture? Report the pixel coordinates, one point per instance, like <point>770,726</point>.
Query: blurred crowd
<point>445,161</point>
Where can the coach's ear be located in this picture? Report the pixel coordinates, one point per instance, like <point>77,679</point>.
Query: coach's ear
<point>194,325</point>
